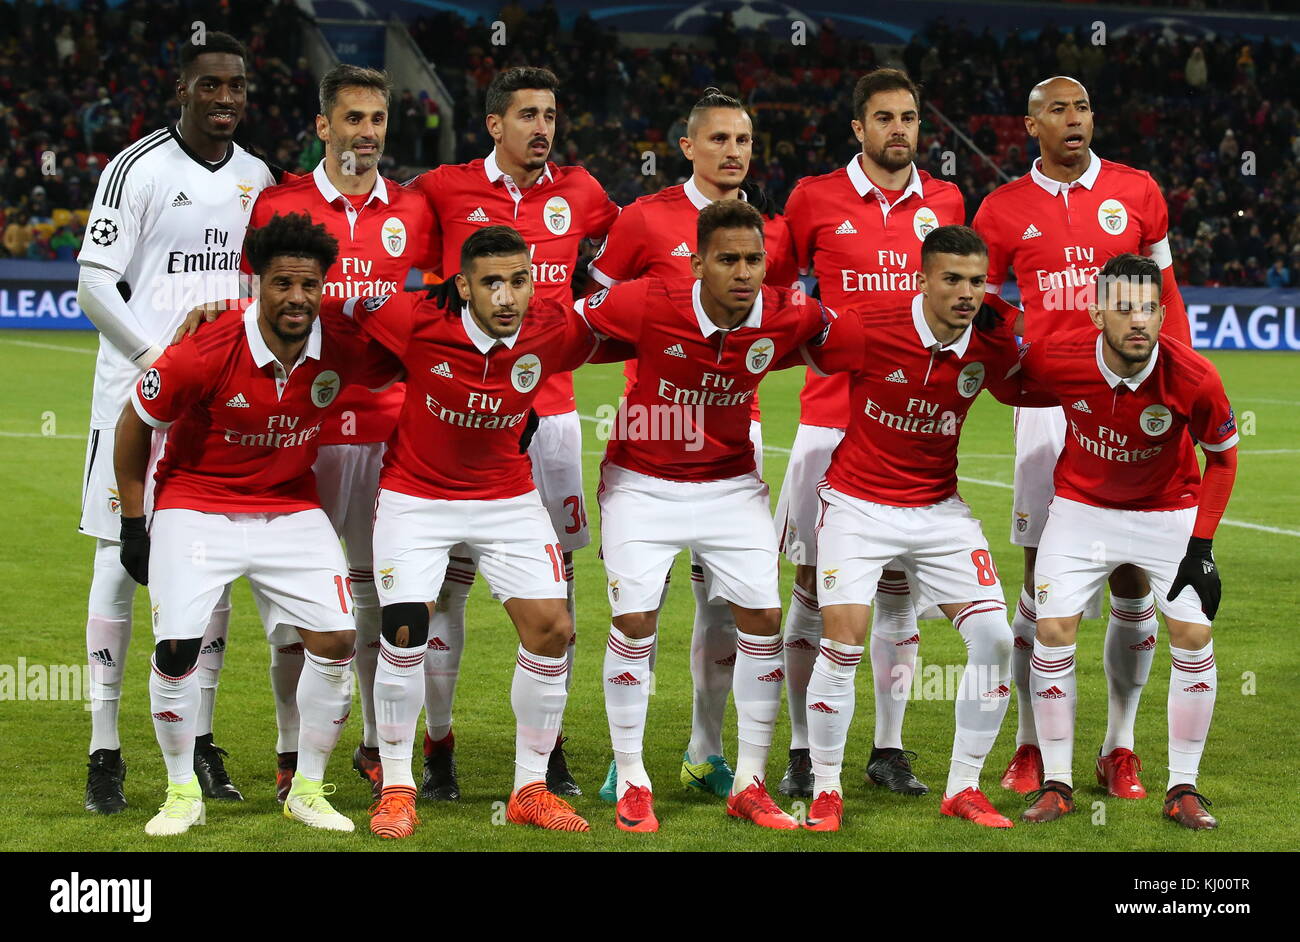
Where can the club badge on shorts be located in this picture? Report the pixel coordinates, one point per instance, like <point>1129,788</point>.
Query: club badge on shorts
<point>970,380</point>
<point>1156,420</point>
<point>613,590</point>
<point>828,578</point>
<point>1112,216</point>
<point>325,387</point>
<point>386,577</point>
<point>114,501</point>
<point>759,356</point>
<point>526,373</point>
<point>1022,522</point>
<point>1042,592</point>
<point>393,236</point>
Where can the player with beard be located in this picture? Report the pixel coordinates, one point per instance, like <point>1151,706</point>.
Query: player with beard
<point>1056,227</point>
<point>554,208</point>
<point>860,231</point>
<point>165,232</point>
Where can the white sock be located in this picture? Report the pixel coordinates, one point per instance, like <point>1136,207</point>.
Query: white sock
<point>399,693</point>
<point>445,648</point>
<point>1193,685</point>
<point>174,702</point>
<point>571,603</point>
<point>895,639</point>
<point>324,703</point>
<point>108,638</point>
<point>1023,628</point>
<point>756,685</point>
<point>538,695</point>
<point>286,667</point>
<point>984,692</point>
<point>831,701</point>
<point>1130,648</point>
<point>627,696</point>
<point>212,656</point>
<point>713,659</point>
<point>365,611</point>
<point>1055,690</point>
<point>803,634</point>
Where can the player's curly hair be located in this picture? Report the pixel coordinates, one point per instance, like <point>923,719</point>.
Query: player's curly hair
<point>725,214</point>
<point>491,240</point>
<point>215,41</point>
<point>294,235</point>
<point>882,80</point>
<point>506,83</point>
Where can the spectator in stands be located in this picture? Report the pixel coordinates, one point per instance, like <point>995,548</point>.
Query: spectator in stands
<point>18,235</point>
<point>1279,276</point>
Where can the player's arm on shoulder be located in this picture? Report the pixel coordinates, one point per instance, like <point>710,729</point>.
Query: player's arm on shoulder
<point>158,398</point>
<point>388,318</point>
<point>839,347</point>
<point>587,341</point>
<point>615,312</point>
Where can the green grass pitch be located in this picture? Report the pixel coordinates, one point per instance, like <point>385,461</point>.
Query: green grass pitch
<point>45,381</point>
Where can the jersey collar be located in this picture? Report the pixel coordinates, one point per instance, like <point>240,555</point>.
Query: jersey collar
<point>495,173</point>
<point>480,338</point>
<point>697,198</point>
<point>928,340</point>
<point>1056,187</point>
<point>1132,382</point>
<point>332,194</point>
<point>262,354</point>
<point>862,183</point>
<point>708,328</point>
<point>174,130</point>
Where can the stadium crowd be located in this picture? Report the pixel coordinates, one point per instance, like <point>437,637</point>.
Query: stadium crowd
<point>1214,121</point>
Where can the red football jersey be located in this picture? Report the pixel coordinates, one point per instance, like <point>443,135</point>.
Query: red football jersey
<point>379,244</point>
<point>909,397</point>
<point>554,215</point>
<point>1130,443</point>
<point>1057,236</point>
<point>655,236</point>
<point>242,433</point>
<point>467,394</point>
<point>686,417</point>
<point>864,252</point>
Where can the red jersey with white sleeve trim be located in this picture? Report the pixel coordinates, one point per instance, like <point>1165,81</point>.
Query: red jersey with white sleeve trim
<point>1130,441</point>
<point>655,236</point>
<point>909,397</point>
<point>554,215</point>
<point>467,394</point>
<point>864,252</point>
<point>1057,236</point>
<point>686,416</point>
<point>242,432</point>
<point>379,244</point>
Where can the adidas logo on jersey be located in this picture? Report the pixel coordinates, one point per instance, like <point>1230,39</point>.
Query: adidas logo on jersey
<point>682,251</point>
<point>104,656</point>
<point>676,351</point>
<point>1052,693</point>
<point>1031,233</point>
<point>477,216</point>
<point>625,679</point>
<point>846,228</point>
<point>1145,645</point>
<point>820,707</point>
<point>442,369</point>
<point>181,199</point>
<point>775,677</point>
<point>896,377</point>
<point>237,401</point>
<point>1082,407</point>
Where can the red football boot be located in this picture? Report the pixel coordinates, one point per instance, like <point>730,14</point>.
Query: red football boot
<point>1025,773</point>
<point>826,812</point>
<point>1117,772</point>
<point>973,805</point>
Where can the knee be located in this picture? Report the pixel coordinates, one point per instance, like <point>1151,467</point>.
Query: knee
<point>1188,636</point>
<point>1129,582</point>
<point>762,621</point>
<point>177,658</point>
<point>1056,632</point>
<point>805,577</point>
<point>636,624</point>
<point>333,645</point>
<point>405,624</point>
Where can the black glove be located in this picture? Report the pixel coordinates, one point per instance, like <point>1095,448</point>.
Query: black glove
<point>530,428</point>
<point>759,198</point>
<point>135,549</point>
<point>1198,571</point>
<point>445,295</point>
<point>581,280</point>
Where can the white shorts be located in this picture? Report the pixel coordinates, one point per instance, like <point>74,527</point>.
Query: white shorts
<point>646,521</point>
<point>556,453</point>
<point>756,439</point>
<point>510,540</point>
<point>347,480</point>
<point>101,510</point>
<point>941,548</point>
<point>1040,436</point>
<point>1083,544</point>
<point>292,560</point>
<point>798,508</point>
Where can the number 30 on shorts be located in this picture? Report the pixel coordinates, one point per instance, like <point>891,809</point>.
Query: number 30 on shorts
<point>577,511</point>
<point>985,570</point>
